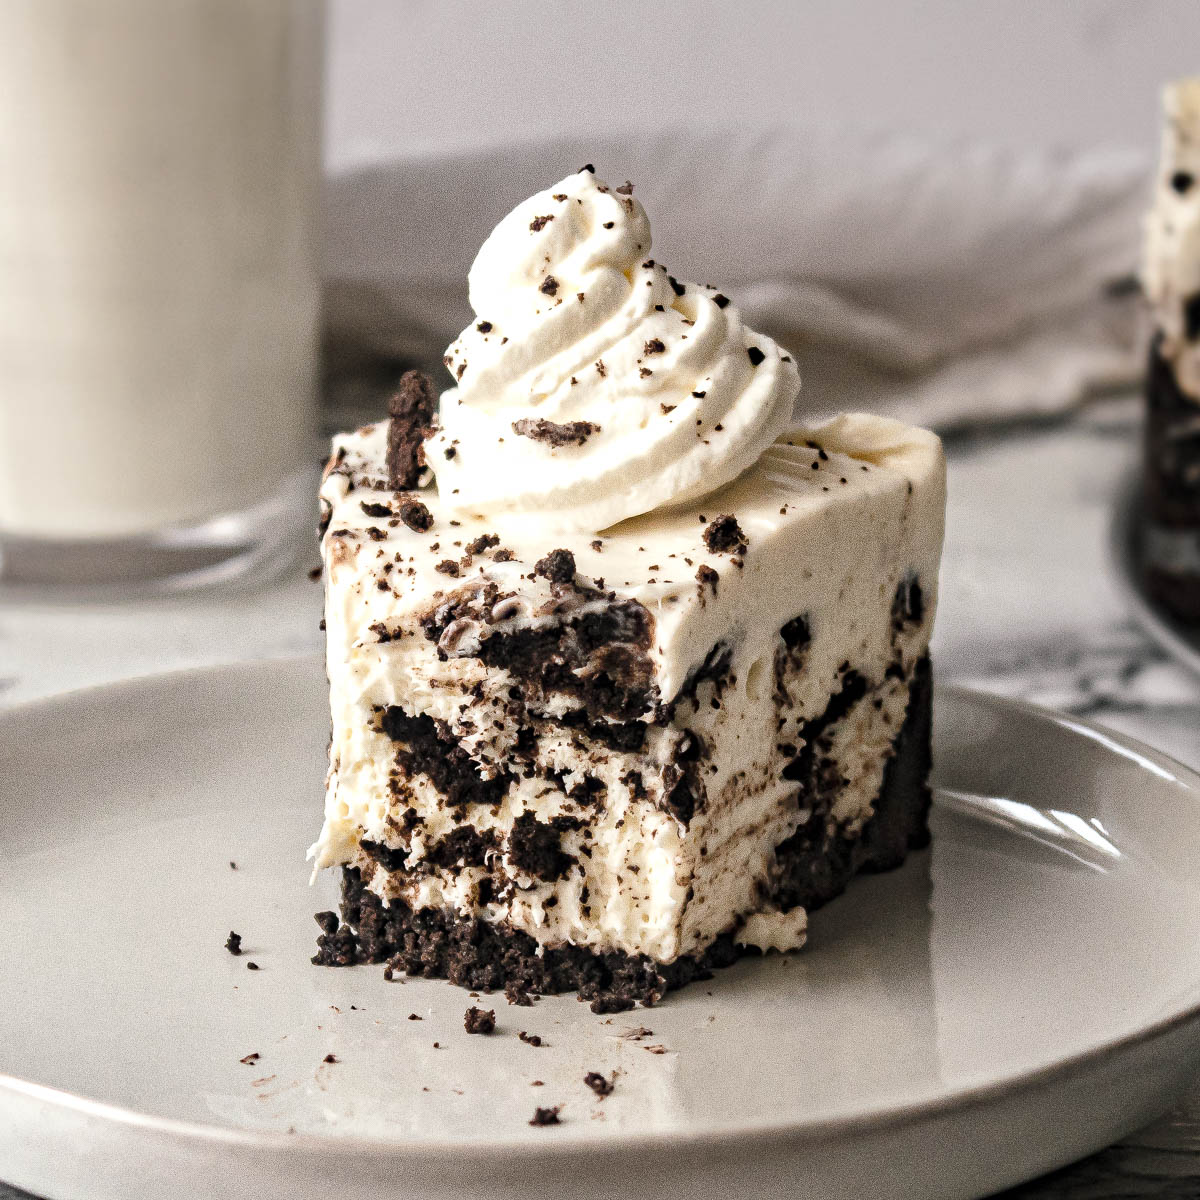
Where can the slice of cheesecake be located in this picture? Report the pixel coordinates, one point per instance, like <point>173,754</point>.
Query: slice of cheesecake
<point>639,677</point>
<point>605,762</point>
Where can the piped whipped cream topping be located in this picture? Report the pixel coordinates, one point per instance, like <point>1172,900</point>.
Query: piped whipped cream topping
<point>593,385</point>
<point>1171,270</point>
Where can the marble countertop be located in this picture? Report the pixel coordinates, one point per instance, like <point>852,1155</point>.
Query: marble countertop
<point>1028,609</point>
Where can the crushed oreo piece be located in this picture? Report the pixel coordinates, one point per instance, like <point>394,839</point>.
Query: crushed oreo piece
<point>416,516</point>
<point>755,355</point>
<point>549,286</point>
<point>540,223</point>
<point>484,326</point>
<point>411,409</point>
<point>558,566</point>
<point>654,346</point>
<point>485,541</point>
<point>530,1039</point>
<point>375,510</point>
<point>724,535</point>
<point>448,567</point>
<point>328,921</point>
<point>252,966</point>
<point>250,1058</point>
<point>330,1058</point>
<point>546,1116</point>
<point>233,943</point>
<point>598,1083</point>
<point>538,429</point>
<point>534,847</point>
<point>707,577</point>
<point>720,300</point>
<point>477,1020</point>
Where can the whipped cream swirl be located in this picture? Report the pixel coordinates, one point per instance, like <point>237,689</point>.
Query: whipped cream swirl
<point>1171,267</point>
<point>593,385</point>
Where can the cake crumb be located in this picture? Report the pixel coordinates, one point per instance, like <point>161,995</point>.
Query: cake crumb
<point>558,566</point>
<point>546,1116</point>
<point>599,1084</point>
<point>233,943</point>
<point>478,1020</point>
<point>724,535</point>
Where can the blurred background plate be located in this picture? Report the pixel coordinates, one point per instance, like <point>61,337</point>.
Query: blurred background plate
<point>1125,555</point>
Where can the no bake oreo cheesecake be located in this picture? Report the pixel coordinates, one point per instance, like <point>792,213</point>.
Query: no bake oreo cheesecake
<point>627,672</point>
<point>1171,281</point>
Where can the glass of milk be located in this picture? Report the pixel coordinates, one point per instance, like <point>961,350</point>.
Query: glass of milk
<point>159,170</point>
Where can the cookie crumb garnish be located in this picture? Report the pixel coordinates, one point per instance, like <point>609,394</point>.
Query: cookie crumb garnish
<point>720,300</point>
<point>558,566</point>
<point>330,1058</point>
<point>597,1082</point>
<point>530,1039</point>
<point>724,535</point>
<point>448,567</point>
<point>485,541</point>
<point>250,1058</point>
<point>233,943</point>
<point>416,515</point>
<point>655,346</point>
<point>484,326</point>
<point>549,286</point>
<point>538,429</point>
<point>411,410</point>
<point>707,577</point>
<point>478,1020</point>
<point>755,355</point>
<point>546,1116</point>
<point>540,223</point>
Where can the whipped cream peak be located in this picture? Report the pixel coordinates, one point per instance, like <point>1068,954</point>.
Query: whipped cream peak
<point>593,385</point>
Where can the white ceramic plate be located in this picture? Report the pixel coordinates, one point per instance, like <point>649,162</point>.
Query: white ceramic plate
<point>1125,554</point>
<point>1023,993</point>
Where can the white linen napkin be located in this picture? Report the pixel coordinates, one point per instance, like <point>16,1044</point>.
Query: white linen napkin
<point>945,283</point>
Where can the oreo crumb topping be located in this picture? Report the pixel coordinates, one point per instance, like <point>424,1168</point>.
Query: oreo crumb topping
<point>645,372</point>
<point>540,223</point>
<point>724,535</point>
<point>328,921</point>
<point>530,1039</point>
<point>677,287</point>
<point>448,567</point>
<point>233,943</point>
<point>252,966</point>
<point>538,429</point>
<point>720,301</point>
<point>375,510</point>
<point>503,556</point>
<point>485,541</point>
<point>609,224</point>
<point>549,286</point>
<point>707,577</point>
<point>477,1020</point>
<point>330,1058</point>
<point>411,409</point>
<point>449,453</point>
<point>586,167</point>
<point>1182,181</point>
<point>545,1116</point>
<point>416,515</point>
<point>558,566</point>
<point>654,346</point>
<point>598,1083</point>
<point>484,326</point>
<point>253,1057</point>
<point>755,355</point>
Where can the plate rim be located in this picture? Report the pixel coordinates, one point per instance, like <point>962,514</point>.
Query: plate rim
<point>885,1118</point>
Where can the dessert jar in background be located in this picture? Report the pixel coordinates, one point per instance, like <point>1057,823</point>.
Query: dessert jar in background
<point>159,175</point>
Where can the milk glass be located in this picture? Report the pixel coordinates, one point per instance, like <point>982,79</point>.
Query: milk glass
<point>159,167</point>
